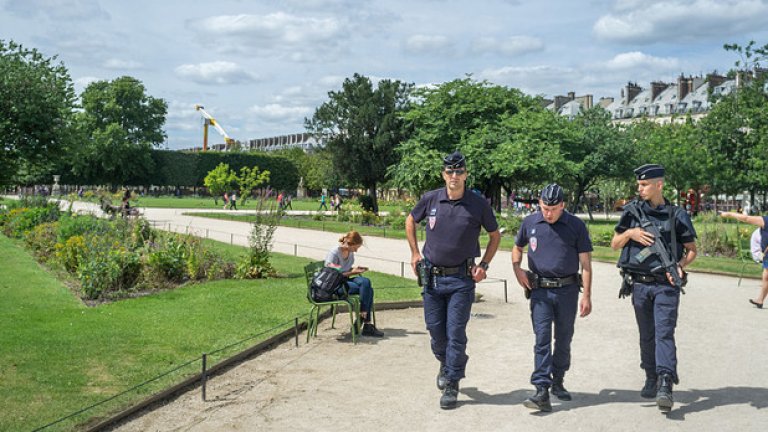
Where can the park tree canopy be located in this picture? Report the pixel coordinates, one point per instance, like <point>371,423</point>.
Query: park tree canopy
<point>37,103</point>
<point>119,126</point>
<point>361,126</point>
<point>463,115</point>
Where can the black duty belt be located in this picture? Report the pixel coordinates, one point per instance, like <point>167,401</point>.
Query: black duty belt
<point>448,271</point>
<point>545,282</point>
<point>648,278</point>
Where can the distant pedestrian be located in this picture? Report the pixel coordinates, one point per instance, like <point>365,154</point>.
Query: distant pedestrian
<point>233,201</point>
<point>322,203</point>
<point>226,200</point>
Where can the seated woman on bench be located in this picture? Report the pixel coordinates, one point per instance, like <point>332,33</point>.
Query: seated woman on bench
<point>343,256</point>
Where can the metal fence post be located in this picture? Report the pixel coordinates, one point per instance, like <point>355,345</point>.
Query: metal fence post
<point>295,249</point>
<point>296,330</point>
<point>203,377</point>
<point>505,290</point>
<point>231,239</point>
<point>402,268</point>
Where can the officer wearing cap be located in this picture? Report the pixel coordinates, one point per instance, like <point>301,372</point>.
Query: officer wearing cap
<point>447,270</point>
<point>655,296</point>
<point>558,242</point>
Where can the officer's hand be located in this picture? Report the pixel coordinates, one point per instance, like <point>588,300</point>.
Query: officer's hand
<point>642,236</point>
<point>585,306</point>
<point>415,258</point>
<point>680,272</point>
<point>522,278</point>
<point>478,273</point>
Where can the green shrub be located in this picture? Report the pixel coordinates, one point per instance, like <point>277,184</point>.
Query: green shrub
<point>369,218</point>
<point>22,219</point>
<point>396,222</point>
<point>70,253</point>
<point>510,224</point>
<point>42,240</point>
<point>170,258</point>
<point>80,225</point>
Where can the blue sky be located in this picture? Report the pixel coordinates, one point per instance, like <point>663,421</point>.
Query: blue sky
<point>260,67</point>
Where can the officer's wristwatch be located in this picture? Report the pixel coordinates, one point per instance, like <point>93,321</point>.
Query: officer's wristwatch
<point>483,265</point>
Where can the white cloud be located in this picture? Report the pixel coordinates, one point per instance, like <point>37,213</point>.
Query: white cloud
<point>428,44</point>
<point>118,64</point>
<point>280,34</point>
<point>637,60</point>
<point>659,20</point>
<point>218,72</point>
<point>82,82</point>
<point>512,46</point>
<point>280,113</point>
<point>533,79</point>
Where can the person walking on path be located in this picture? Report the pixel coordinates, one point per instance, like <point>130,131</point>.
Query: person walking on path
<point>233,201</point>
<point>322,203</point>
<point>558,242</point>
<point>762,223</point>
<point>447,271</point>
<point>647,263</point>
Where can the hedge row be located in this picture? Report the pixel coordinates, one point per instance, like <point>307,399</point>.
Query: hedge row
<point>173,168</point>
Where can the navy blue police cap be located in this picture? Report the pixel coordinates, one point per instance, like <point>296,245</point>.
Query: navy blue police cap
<point>649,171</point>
<point>552,194</point>
<point>454,160</point>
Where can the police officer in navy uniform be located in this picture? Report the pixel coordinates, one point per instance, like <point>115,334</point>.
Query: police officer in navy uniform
<point>447,271</point>
<point>655,296</point>
<point>558,242</point>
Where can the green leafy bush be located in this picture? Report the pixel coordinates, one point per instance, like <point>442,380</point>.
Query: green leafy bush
<point>22,219</point>
<point>170,258</point>
<point>42,240</point>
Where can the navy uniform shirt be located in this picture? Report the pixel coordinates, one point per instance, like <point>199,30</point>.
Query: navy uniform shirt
<point>453,227</point>
<point>764,234</point>
<point>659,216</point>
<point>553,249</point>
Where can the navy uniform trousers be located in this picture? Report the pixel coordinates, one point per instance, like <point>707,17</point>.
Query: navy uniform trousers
<point>656,307</point>
<point>447,306</point>
<point>552,306</point>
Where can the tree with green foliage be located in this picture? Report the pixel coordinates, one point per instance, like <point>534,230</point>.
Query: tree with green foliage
<point>361,125</point>
<point>464,115</point>
<point>735,132</point>
<point>249,179</point>
<point>595,149</point>
<point>219,180</point>
<point>678,147</point>
<point>120,125</point>
<point>37,102</point>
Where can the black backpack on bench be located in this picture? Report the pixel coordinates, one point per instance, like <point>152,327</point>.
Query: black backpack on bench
<point>324,284</point>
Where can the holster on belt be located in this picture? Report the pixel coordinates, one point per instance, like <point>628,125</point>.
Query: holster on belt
<point>627,282</point>
<point>424,273</point>
<point>533,281</point>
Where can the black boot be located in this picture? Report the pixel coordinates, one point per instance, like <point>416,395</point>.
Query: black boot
<point>450,395</point>
<point>441,379</point>
<point>370,330</point>
<point>664,396</point>
<point>651,385</point>
<point>539,401</point>
<point>558,389</point>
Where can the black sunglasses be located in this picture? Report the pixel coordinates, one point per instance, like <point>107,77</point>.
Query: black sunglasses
<point>455,171</point>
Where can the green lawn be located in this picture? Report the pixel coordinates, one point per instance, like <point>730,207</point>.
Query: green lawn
<point>208,203</point>
<point>58,356</point>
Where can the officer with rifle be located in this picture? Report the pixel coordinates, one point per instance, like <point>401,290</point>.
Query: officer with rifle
<point>657,241</point>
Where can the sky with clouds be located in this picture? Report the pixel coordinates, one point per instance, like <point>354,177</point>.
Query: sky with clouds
<point>261,67</point>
